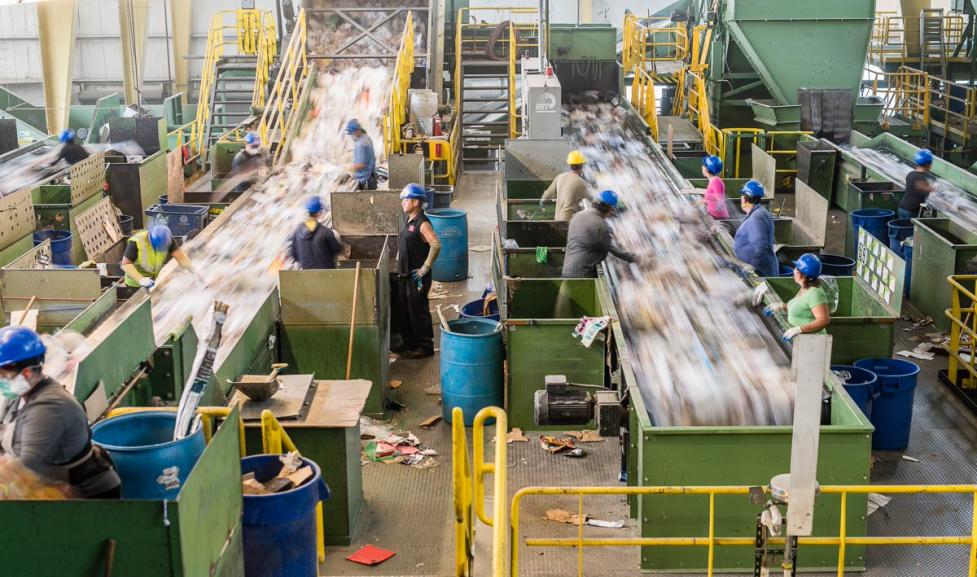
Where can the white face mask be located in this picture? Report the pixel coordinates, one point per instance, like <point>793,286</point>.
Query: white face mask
<point>14,388</point>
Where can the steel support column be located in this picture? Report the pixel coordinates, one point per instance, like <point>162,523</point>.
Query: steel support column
<point>181,13</point>
<point>132,23</point>
<point>56,29</point>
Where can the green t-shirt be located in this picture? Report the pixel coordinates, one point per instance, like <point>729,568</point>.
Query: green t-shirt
<point>799,308</point>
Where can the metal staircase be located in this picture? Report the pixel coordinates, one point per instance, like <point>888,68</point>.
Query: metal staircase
<point>231,94</point>
<point>932,50</point>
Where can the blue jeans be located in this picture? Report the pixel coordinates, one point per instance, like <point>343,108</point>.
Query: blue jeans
<point>903,213</point>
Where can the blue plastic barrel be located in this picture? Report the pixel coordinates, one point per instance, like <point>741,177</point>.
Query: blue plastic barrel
<point>451,226</point>
<point>280,528</point>
<point>429,197</point>
<point>892,412</point>
<point>861,384</point>
<point>471,367</point>
<point>125,223</point>
<point>907,255</point>
<point>873,220</point>
<point>899,230</point>
<point>476,310</point>
<point>836,265</point>
<point>60,244</point>
<point>151,464</point>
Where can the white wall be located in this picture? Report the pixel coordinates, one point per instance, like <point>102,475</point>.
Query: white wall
<point>98,46</point>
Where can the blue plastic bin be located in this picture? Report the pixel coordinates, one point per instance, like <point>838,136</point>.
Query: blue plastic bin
<point>125,223</point>
<point>280,528</point>
<point>471,367</point>
<point>861,384</point>
<point>836,265</point>
<point>874,221</point>
<point>60,244</point>
<point>451,226</point>
<point>899,230</point>
<point>181,218</point>
<point>151,464</point>
<point>476,308</point>
<point>907,255</point>
<point>892,412</point>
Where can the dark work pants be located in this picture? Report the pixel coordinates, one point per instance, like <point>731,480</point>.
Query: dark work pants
<point>414,313</point>
<point>370,184</point>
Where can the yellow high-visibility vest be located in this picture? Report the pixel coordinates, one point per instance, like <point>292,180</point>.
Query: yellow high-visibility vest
<point>149,261</point>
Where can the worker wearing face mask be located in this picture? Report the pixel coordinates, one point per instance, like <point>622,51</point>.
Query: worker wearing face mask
<point>43,426</point>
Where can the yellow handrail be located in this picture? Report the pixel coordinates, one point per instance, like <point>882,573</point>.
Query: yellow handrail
<point>642,44</point>
<point>279,113</point>
<point>514,115</point>
<point>397,109</point>
<point>644,101</point>
<point>711,541</point>
<point>250,34</point>
<point>963,330</point>
<point>890,31</point>
<point>267,51</point>
<point>463,499</point>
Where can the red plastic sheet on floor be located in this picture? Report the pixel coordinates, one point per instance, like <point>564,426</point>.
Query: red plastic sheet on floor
<point>370,556</point>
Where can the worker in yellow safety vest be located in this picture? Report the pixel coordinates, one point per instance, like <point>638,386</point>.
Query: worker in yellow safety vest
<point>147,253</point>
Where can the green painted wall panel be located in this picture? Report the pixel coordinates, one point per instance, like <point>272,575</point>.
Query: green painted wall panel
<point>940,248</point>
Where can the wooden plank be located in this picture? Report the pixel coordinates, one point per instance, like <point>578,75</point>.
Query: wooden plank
<point>175,186</point>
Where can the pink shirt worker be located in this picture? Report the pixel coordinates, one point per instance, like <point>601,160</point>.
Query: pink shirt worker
<point>715,198</point>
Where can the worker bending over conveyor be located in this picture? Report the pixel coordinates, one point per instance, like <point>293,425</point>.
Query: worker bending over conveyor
<point>569,188</point>
<point>418,249</point>
<point>43,426</point>
<point>919,185</point>
<point>315,246</point>
<point>589,239</point>
<point>249,160</point>
<point>808,312</point>
<point>364,167</point>
<point>754,239</point>
<point>147,253</point>
<point>71,152</point>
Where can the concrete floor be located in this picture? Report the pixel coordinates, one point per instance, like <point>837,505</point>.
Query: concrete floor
<point>410,511</point>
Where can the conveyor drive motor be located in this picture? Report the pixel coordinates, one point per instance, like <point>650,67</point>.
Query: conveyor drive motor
<point>564,403</point>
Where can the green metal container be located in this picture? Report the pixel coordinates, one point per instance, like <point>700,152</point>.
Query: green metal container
<point>816,166</point>
<point>134,187</point>
<point>776,117</point>
<point>55,211</point>
<point>863,325</point>
<point>198,533</point>
<point>941,248</point>
<point>539,316</point>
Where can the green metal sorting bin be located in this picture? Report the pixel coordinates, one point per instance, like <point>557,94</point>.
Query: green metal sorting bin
<point>941,247</point>
<point>862,326</point>
<point>539,316</point>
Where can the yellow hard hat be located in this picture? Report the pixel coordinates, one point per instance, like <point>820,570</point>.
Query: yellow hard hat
<point>576,157</point>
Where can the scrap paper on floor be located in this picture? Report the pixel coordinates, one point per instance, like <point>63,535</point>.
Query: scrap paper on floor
<point>370,556</point>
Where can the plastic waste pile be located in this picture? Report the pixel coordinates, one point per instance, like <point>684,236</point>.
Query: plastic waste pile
<point>946,198</point>
<point>34,167</point>
<point>237,262</point>
<point>330,33</point>
<point>701,356</point>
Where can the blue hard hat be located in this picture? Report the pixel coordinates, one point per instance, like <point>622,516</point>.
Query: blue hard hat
<point>752,189</point>
<point>412,190</point>
<point>252,139</point>
<point>713,164</point>
<point>809,265</point>
<point>313,204</point>
<point>160,237</point>
<point>352,126</point>
<point>19,344</point>
<point>924,157</point>
<point>67,135</point>
<point>608,197</point>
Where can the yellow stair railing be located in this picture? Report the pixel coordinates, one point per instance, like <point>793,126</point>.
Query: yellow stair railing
<point>644,101</point>
<point>963,331</point>
<point>267,50</point>
<point>891,31</point>
<point>397,109</point>
<point>249,35</point>
<point>279,115</point>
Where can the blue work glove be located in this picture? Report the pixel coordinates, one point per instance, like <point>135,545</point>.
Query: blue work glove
<point>147,283</point>
<point>418,276</point>
<point>771,310</point>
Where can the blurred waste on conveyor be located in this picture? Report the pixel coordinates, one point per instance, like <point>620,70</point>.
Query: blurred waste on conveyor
<point>701,355</point>
<point>947,198</point>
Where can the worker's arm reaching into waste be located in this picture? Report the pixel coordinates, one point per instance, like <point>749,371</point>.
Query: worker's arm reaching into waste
<point>549,193</point>
<point>607,243</point>
<point>431,238</point>
<point>184,261</point>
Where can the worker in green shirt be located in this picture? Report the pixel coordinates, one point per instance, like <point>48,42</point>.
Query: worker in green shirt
<point>808,311</point>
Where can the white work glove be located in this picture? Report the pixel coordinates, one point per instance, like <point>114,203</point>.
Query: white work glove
<point>147,283</point>
<point>759,292</point>
<point>790,333</point>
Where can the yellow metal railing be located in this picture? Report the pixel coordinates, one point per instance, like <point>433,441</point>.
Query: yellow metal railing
<point>644,101</point>
<point>249,35</point>
<point>963,330</point>
<point>514,115</point>
<point>643,43</point>
<point>738,138</point>
<point>267,50</point>
<point>711,542</point>
<point>469,488</point>
<point>274,440</point>
<point>896,38</point>
<point>698,109</point>
<point>905,94</point>
<point>279,115</point>
<point>397,111</point>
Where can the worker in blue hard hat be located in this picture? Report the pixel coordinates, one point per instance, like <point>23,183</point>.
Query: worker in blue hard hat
<point>808,312</point>
<point>589,238</point>
<point>919,185</point>
<point>715,196</point>
<point>419,247</point>
<point>754,240</point>
<point>43,426</point>
<point>248,162</point>
<point>364,166</point>
<point>146,254</point>
<point>314,246</point>
<point>71,151</point>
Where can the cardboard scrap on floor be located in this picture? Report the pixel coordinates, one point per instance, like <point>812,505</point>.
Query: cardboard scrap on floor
<point>430,422</point>
<point>435,390</point>
<point>564,516</point>
<point>876,501</point>
<point>395,384</point>
<point>552,444</point>
<point>516,436</point>
<point>398,448</point>
<point>370,556</point>
<point>586,436</point>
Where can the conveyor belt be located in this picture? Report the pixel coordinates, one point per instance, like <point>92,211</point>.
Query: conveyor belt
<point>699,352</point>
